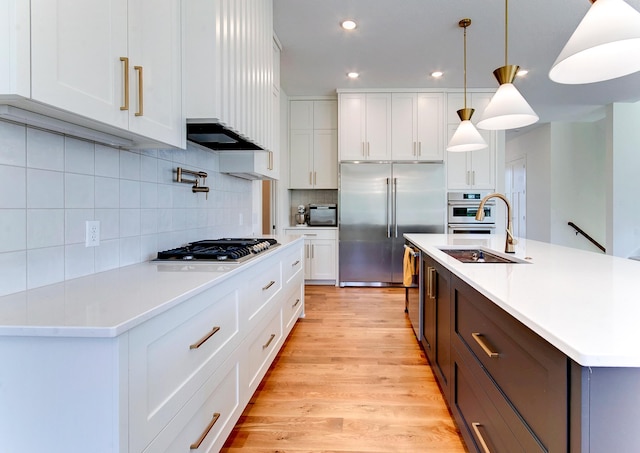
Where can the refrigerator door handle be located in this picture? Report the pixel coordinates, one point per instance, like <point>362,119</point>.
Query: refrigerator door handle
<point>388,208</point>
<point>395,206</point>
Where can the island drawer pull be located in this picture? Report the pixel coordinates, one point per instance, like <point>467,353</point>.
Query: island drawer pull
<point>197,443</point>
<point>266,345</point>
<point>476,429</point>
<point>271,283</point>
<point>478,337</point>
<point>296,304</point>
<point>202,340</point>
<point>296,263</point>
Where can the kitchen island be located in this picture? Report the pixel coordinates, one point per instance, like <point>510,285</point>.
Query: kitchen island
<point>541,355</point>
<point>158,357</point>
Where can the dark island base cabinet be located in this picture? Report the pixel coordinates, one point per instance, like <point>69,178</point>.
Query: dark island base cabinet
<point>510,390</point>
<point>436,322</point>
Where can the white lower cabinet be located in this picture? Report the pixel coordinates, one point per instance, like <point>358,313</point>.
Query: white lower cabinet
<point>319,252</point>
<point>178,380</point>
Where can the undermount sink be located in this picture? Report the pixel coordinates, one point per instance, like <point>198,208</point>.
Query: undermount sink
<point>476,255</point>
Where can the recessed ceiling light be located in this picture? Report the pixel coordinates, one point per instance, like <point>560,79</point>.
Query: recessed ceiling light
<point>437,74</point>
<point>522,72</point>
<point>353,75</point>
<point>348,25</point>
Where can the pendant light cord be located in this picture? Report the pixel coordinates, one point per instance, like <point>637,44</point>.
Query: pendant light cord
<point>465,67</point>
<point>506,30</point>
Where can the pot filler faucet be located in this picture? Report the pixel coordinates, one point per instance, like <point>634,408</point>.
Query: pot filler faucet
<point>509,246</point>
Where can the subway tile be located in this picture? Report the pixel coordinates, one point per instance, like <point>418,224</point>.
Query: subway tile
<point>148,169</point>
<point>107,192</point>
<point>75,225</point>
<point>13,227</point>
<point>45,266</point>
<point>107,161</point>
<point>129,222</point>
<point>148,195</point>
<point>79,156</point>
<point>13,187</point>
<point>13,148</point>
<point>165,196</point>
<point>79,191</point>
<point>130,251</point>
<point>13,272</point>
<point>166,172</point>
<point>45,189</point>
<point>148,221</point>
<point>129,194</point>
<point>129,165</point>
<point>149,247</point>
<point>78,261</point>
<point>45,228</point>
<point>107,255</point>
<point>45,150</point>
<point>109,223</point>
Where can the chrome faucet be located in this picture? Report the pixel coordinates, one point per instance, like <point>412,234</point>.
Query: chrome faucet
<point>509,246</point>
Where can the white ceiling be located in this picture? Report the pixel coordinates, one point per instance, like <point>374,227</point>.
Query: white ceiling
<point>398,43</point>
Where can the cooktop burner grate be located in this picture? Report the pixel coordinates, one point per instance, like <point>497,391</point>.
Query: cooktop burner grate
<point>225,249</point>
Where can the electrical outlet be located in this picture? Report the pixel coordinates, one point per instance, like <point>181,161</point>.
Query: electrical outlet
<point>92,233</point>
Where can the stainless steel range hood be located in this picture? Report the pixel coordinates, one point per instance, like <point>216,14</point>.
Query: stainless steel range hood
<point>215,136</point>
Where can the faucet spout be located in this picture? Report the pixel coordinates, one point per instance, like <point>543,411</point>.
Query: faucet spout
<point>509,246</point>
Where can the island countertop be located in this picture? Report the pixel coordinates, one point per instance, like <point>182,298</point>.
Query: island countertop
<point>584,303</point>
<point>109,303</point>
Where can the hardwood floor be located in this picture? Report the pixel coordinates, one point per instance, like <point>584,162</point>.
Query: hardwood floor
<point>350,378</point>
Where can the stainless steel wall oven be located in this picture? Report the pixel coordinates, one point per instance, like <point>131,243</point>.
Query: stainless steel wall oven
<point>461,213</point>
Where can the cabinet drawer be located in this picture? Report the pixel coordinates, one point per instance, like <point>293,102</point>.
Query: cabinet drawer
<point>262,349</point>
<point>313,233</point>
<point>292,264</point>
<point>173,354</point>
<point>531,373</point>
<point>206,419</point>
<point>264,282</point>
<point>294,304</point>
<point>489,428</point>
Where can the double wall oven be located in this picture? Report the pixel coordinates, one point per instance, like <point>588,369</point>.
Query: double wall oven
<point>462,208</point>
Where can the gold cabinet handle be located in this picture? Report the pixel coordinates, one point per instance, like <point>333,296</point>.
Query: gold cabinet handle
<point>271,283</point>
<point>296,304</point>
<point>196,444</point>
<point>202,340</point>
<point>478,337</point>
<point>476,429</point>
<point>266,345</point>
<point>310,178</point>
<point>296,263</point>
<point>315,179</point>
<point>140,111</point>
<point>419,149</point>
<point>125,70</point>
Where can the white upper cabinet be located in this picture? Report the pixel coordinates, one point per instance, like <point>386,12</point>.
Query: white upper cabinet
<point>472,169</point>
<point>111,65</point>
<point>417,126</point>
<point>313,144</point>
<point>365,126</point>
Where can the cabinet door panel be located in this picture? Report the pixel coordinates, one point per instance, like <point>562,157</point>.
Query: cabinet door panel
<point>323,259</point>
<point>76,48</point>
<point>430,126</point>
<point>403,126</point>
<point>301,115</point>
<point>378,126</point>
<point>325,159</point>
<point>352,126</point>
<point>301,164</point>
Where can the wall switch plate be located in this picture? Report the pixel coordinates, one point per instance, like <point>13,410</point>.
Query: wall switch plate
<point>92,234</point>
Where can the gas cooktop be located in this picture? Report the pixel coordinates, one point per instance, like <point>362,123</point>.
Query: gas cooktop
<point>232,250</point>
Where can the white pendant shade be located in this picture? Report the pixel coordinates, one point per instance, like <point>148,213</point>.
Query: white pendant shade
<point>507,110</point>
<point>466,138</point>
<point>605,45</point>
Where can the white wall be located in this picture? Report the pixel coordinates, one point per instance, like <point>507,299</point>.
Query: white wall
<point>51,184</point>
<point>623,179</point>
<point>534,146</point>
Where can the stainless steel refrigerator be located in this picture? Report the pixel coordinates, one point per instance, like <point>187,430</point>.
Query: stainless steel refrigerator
<point>378,202</point>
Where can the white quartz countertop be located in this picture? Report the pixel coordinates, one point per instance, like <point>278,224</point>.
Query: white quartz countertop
<point>584,303</point>
<point>109,303</point>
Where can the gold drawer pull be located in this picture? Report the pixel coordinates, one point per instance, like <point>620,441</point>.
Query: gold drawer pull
<point>476,429</point>
<point>266,345</point>
<point>140,111</point>
<point>202,340</point>
<point>296,263</point>
<point>478,337</point>
<point>196,444</point>
<point>296,304</point>
<point>271,283</point>
<point>125,69</point>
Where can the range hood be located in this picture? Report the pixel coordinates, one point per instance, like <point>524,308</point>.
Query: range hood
<point>215,136</point>
<point>246,165</point>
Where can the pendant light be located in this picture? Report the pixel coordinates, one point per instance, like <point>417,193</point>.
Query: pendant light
<point>507,108</point>
<point>466,137</point>
<point>605,45</point>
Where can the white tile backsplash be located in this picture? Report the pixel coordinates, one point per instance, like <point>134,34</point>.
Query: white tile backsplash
<point>50,185</point>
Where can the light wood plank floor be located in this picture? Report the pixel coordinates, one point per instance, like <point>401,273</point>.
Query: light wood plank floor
<point>350,378</point>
